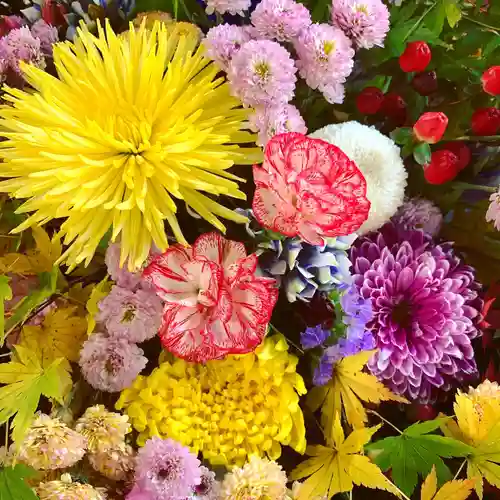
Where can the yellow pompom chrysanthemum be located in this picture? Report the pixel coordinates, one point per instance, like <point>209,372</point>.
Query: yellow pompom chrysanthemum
<point>227,409</point>
<point>131,123</point>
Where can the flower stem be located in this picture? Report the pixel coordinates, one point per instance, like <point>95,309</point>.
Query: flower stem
<point>479,138</point>
<point>417,24</point>
<point>384,420</point>
<point>484,25</point>
<point>477,187</point>
<point>287,339</point>
<point>460,469</point>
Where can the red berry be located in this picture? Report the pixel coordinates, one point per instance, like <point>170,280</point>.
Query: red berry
<point>416,57</point>
<point>420,412</point>
<point>370,100</point>
<point>485,121</point>
<point>461,150</point>
<point>491,80</point>
<point>394,107</point>
<point>425,83</point>
<point>442,168</point>
<point>430,127</point>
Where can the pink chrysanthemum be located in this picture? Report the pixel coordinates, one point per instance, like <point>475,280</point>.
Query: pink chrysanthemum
<point>325,59</point>
<point>110,364</point>
<point>308,188</point>
<point>120,274</point>
<point>224,41</point>
<point>262,73</point>
<point>214,303</point>
<point>20,45</point>
<point>166,470</point>
<point>493,212</point>
<point>234,7</point>
<point>47,35</point>
<point>134,316</point>
<point>365,22</point>
<point>280,19</point>
<point>271,121</point>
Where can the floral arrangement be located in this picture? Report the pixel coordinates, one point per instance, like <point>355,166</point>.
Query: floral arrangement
<point>249,249</point>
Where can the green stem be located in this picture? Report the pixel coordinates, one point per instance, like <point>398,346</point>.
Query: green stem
<point>384,420</point>
<point>417,24</point>
<point>484,25</point>
<point>478,138</point>
<point>466,185</point>
<point>7,435</point>
<point>460,469</point>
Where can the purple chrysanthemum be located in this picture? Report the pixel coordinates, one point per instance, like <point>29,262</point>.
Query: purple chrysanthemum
<point>426,309</point>
<point>418,213</point>
<point>47,35</point>
<point>20,45</point>
<point>134,316</point>
<point>166,470</point>
<point>271,121</point>
<point>224,41</point>
<point>365,22</point>
<point>110,364</point>
<point>282,20</point>
<point>262,73</point>
<point>325,59</point>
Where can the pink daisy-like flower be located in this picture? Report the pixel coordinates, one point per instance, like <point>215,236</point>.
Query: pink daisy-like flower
<point>234,7</point>
<point>110,364</point>
<point>262,73</point>
<point>308,188</point>
<point>325,59</point>
<point>271,121</point>
<point>493,212</point>
<point>224,41</point>
<point>282,20</point>
<point>365,22</point>
<point>166,470</point>
<point>47,35</point>
<point>214,303</point>
<point>20,45</point>
<point>134,316</point>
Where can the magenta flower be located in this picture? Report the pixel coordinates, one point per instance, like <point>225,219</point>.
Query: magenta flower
<point>47,35</point>
<point>134,316</point>
<point>282,20</point>
<point>271,121</point>
<point>20,45</point>
<point>325,59</point>
<point>165,470</point>
<point>262,73</point>
<point>365,22</point>
<point>214,303</point>
<point>110,364</point>
<point>426,311</point>
<point>224,41</point>
<point>308,188</point>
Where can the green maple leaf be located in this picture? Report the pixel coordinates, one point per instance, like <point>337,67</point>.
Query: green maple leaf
<point>415,452</point>
<point>13,485</point>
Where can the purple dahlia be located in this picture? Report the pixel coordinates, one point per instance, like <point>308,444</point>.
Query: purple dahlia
<point>426,310</point>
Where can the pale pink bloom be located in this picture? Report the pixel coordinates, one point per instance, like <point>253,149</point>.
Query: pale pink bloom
<point>21,46</point>
<point>120,274</point>
<point>47,34</point>
<point>234,7</point>
<point>308,188</point>
<point>214,303</point>
<point>493,213</point>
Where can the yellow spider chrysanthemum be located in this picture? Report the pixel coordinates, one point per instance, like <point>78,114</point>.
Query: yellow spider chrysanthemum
<point>227,409</point>
<point>132,122</point>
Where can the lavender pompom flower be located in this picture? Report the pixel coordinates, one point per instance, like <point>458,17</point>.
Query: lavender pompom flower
<point>282,20</point>
<point>120,274</point>
<point>224,41</point>
<point>325,59</point>
<point>262,73</point>
<point>303,269</point>
<point>20,45</point>
<point>110,364</point>
<point>418,213</point>
<point>133,316</point>
<point>47,35</point>
<point>209,488</point>
<point>426,311</point>
<point>365,22</point>
<point>274,120</point>
<point>166,469</point>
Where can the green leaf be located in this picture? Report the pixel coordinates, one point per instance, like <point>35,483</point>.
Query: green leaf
<point>453,12</point>
<point>415,452</point>
<point>13,485</point>
<point>422,153</point>
<point>402,135</point>
<point>435,19</point>
<point>5,294</point>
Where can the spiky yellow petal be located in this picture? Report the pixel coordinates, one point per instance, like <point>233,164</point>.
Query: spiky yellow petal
<point>132,123</point>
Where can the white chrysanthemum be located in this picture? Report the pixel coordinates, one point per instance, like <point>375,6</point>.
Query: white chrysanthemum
<point>379,159</point>
<point>486,389</point>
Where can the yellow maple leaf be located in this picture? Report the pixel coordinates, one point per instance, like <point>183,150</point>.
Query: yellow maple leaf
<point>336,468</point>
<point>452,490</point>
<point>98,293</point>
<point>478,424</point>
<point>61,335</point>
<point>347,389</point>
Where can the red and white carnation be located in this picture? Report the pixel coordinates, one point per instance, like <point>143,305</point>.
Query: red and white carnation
<point>308,188</point>
<point>214,303</point>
